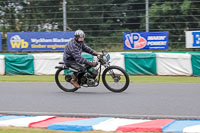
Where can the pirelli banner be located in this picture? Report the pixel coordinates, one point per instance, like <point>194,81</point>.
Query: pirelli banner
<point>38,41</point>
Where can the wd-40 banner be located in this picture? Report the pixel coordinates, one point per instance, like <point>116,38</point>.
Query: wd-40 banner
<point>38,41</point>
<point>145,40</point>
<point>192,39</point>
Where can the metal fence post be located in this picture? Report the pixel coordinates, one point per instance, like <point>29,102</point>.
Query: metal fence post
<point>64,16</point>
<point>147,15</point>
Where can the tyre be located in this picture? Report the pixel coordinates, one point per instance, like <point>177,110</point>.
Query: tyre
<point>115,79</point>
<point>64,83</point>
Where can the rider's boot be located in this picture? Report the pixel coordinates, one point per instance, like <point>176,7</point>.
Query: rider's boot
<point>74,82</point>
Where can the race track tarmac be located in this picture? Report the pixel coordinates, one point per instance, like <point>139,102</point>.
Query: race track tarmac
<point>140,100</point>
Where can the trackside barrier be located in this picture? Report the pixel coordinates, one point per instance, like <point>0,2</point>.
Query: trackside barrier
<point>196,64</point>
<point>2,65</point>
<point>45,63</point>
<point>174,64</point>
<point>19,65</point>
<point>116,59</point>
<point>101,124</point>
<point>134,63</point>
<point>140,64</point>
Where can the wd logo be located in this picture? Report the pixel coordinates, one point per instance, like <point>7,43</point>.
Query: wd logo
<point>17,42</point>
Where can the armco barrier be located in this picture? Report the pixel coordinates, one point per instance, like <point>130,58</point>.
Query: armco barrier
<point>134,63</point>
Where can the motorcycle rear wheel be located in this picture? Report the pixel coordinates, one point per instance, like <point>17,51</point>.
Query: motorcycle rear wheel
<point>62,83</point>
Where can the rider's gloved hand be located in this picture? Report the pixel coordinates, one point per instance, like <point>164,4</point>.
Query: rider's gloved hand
<point>99,56</point>
<point>93,64</point>
<point>95,53</point>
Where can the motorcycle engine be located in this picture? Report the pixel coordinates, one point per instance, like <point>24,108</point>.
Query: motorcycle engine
<point>92,74</point>
<point>91,82</point>
<point>89,78</point>
<point>84,80</point>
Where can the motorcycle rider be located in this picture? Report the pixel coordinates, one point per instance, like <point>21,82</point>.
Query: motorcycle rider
<point>72,55</point>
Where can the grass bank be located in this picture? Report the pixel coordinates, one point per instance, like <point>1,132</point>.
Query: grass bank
<point>135,79</point>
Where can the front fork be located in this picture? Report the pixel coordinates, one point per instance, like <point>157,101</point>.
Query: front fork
<point>111,73</point>
<point>98,80</point>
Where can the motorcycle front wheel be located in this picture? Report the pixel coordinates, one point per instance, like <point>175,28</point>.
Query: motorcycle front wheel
<point>115,79</point>
<point>62,80</point>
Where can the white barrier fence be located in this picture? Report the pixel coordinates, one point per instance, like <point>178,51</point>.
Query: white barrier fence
<point>2,65</point>
<point>166,63</point>
<point>45,63</point>
<point>173,64</point>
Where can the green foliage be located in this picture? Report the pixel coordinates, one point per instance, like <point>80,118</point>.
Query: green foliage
<point>103,21</point>
<point>174,16</point>
<point>185,7</point>
<point>27,15</point>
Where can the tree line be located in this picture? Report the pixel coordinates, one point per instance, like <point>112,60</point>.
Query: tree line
<point>103,21</point>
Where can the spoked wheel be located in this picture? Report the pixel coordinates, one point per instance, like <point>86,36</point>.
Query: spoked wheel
<point>62,81</point>
<point>115,79</point>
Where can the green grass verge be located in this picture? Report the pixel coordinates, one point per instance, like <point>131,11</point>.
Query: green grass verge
<point>37,130</point>
<point>134,79</point>
<point>26,130</point>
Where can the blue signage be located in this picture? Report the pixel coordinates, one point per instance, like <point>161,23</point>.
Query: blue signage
<point>0,41</point>
<point>196,39</point>
<point>38,41</point>
<point>145,40</point>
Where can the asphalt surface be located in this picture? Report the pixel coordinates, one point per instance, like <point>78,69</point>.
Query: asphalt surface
<point>140,100</point>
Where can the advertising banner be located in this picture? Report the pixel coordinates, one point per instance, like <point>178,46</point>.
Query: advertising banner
<point>38,41</point>
<point>192,39</point>
<point>0,41</point>
<point>145,40</point>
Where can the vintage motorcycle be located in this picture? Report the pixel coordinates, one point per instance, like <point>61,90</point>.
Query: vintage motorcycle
<point>114,78</point>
